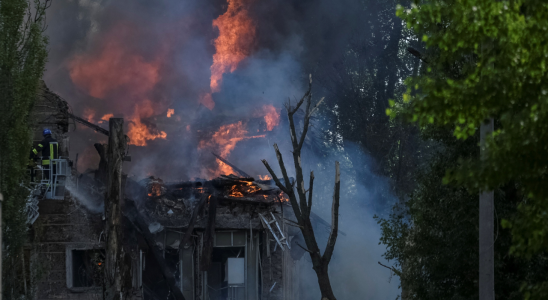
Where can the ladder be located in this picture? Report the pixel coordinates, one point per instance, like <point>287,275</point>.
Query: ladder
<point>280,238</point>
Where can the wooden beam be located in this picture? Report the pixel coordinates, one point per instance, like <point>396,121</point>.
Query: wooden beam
<point>114,264</point>
<point>199,207</point>
<point>209,235</point>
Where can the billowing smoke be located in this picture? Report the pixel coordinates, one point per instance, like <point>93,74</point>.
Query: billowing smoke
<point>354,269</point>
<point>185,92</point>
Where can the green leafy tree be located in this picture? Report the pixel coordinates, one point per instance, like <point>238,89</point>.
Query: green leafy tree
<point>22,58</point>
<point>435,234</point>
<point>489,59</point>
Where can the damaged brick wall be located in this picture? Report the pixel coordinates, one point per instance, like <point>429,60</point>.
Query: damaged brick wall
<point>50,111</point>
<point>63,225</point>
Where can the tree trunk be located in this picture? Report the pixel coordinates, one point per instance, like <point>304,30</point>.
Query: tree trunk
<point>114,252</point>
<point>323,282</point>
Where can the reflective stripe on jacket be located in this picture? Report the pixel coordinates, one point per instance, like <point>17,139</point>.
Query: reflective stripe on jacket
<point>49,151</point>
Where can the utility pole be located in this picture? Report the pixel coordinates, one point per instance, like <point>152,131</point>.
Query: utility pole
<point>486,228</point>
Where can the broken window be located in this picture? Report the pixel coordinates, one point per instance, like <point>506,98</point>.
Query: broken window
<point>226,276</point>
<point>84,268</point>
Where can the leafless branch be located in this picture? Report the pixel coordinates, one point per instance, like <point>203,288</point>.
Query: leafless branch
<point>303,248</point>
<point>397,272</point>
<point>293,223</point>
<point>288,191</point>
<point>334,216</point>
<point>282,166</point>
<point>274,176</point>
<point>302,206</point>
<point>311,186</point>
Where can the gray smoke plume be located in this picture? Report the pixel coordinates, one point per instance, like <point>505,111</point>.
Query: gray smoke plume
<point>169,43</point>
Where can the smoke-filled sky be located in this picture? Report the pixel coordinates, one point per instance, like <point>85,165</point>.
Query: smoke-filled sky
<point>211,63</point>
<point>191,77</point>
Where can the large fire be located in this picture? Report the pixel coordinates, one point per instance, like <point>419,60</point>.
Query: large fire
<point>115,69</point>
<point>223,142</point>
<point>226,138</point>
<point>234,43</point>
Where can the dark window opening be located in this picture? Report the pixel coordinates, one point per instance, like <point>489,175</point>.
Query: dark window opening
<point>87,266</point>
<point>218,277</point>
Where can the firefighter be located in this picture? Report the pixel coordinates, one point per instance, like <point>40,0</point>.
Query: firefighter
<point>49,152</point>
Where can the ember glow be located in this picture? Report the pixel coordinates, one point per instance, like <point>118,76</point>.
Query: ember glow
<point>155,187</point>
<point>264,177</point>
<point>283,197</point>
<point>170,112</point>
<point>245,188</point>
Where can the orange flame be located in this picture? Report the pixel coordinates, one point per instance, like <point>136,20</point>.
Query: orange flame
<point>170,112</point>
<point>264,177</point>
<point>223,142</point>
<point>226,138</point>
<point>223,169</point>
<point>89,114</point>
<point>207,101</point>
<point>105,118</point>
<point>114,67</point>
<point>238,190</point>
<point>234,43</point>
<point>138,132</point>
<point>272,117</point>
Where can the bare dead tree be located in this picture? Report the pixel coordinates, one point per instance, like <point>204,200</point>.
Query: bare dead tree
<point>301,202</point>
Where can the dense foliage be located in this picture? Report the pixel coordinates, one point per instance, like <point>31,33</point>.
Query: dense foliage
<point>483,59</point>
<point>22,59</point>
<point>435,235</point>
<point>358,83</point>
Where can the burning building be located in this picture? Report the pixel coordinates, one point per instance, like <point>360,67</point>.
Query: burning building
<point>230,237</point>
